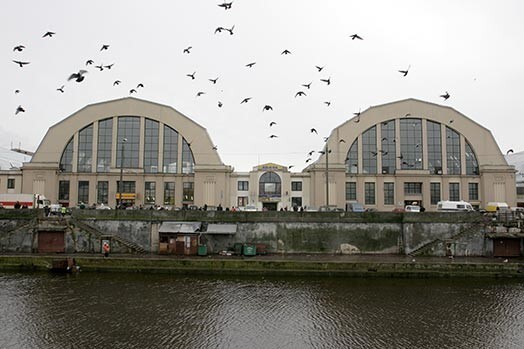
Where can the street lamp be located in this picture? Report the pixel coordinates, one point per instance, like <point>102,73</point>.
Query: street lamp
<point>326,152</point>
<point>120,184</point>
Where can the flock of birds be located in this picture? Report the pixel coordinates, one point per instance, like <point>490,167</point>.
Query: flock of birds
<point>80,75</point>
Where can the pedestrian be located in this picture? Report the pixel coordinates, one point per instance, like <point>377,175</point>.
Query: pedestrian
<point>17,205</point>
<point>106,248</point>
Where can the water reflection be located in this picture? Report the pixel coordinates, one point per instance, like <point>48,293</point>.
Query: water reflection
<point>159,311</point>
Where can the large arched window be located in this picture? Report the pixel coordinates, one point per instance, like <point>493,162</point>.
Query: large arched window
<point>434,141</point>
<point>85,149</point>
<point>453,151</point>
<point>472,165</point>
<point>170,150</point>
<point>352,158</point>
<point>128,128</point>
<point>151,146</point>
<point>270,185</point>
<point>66,161</point>
<point>105,143</point>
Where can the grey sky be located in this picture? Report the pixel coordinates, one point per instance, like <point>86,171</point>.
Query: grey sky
<point>472,49</point>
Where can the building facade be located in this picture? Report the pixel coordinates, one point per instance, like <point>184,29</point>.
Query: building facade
<point>142,153</point>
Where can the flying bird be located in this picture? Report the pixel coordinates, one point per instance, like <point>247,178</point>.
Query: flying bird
<point>101,67</point>
<point>273,136</point>
<point>131,91</point>
<point>400,156</point>
<point>342,141</point>
<point>319,68</point>
<point>186,50</point>
<point>220,104</point>
<point>310,153</point>
<point>451,121</point>
<point>267,107</point>
<point>250,65</point>
<point>219,29</point>
<point>300,93</point>
<point>192,76</point>
<point>509,151</point>
<point>445,96</point>
<point>104,47</point>
<point>117,82</point>
<point>286,52</point>
<point>308,160</point>
<point>200,93</point>
<point>215,147</point>
<point>109,66</point>
<point>214,81</point>
<point>290,167</point>
<point>308,86</point>
<point>17,92</point>
<point>140,85</point>
<point>313,130</point>
<point>78,77</point>
<point>405,72</point>
<point>48,34</point>
<point>19,110</point>
<point>89,62</point>
<point>272,123</point>
<point>327,103</point>
<point>355,36</point>
<point>19,48</point>
<point>230,30</point>
<point>21,64</point>
<point>327,81</point>
<point>61,89</point>
<point>245,100</point>
<point>226,5</point>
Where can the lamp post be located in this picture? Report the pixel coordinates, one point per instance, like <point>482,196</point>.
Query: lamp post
<point>120,184</point>
<point>327,177</point>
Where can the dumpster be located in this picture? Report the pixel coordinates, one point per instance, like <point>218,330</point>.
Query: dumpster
<point>249,250</point>
<point>202,250</point>
<point>237,247</point>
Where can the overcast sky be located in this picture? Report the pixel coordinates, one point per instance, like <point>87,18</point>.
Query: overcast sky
<point>472,49</point>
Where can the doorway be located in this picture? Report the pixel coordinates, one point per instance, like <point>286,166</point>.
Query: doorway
<point>269,206</point>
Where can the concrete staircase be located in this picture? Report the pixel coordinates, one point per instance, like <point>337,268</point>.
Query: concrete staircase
<point>474,227</point>
<point>129,244</point>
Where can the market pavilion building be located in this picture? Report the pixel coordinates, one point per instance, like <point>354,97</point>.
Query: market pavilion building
<point>390,155</point>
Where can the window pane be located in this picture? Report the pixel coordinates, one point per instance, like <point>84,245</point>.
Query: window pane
<point>472,165</point>
<point>369,151</point>
<point>243,185</point>
<point>473,191</point>
<point>434,147</point>
<point>128,128</point>
<point>150,193</point>
<point>454,191</point>
<point>388,147</point>
<point>188,163</point>
<point>66,161</point>
<point>105,143</point>
<point>389,193</point>
<point>169,193</point>
<point>83,192</point>
<point>369,193</point>
<point>63,191</point>
<point>188,192</point>
<point>411,144</point>
<point>412,188</point>
<point>352,158</point>
<point>434,193</point>
<point>270,185</point>
<point>151,146</point>
<point>170,150</point>
<point>453,151</point>
<point>85,149</point>
<point>351,191</point>
<point>296,186</point>
<point>102,192</point>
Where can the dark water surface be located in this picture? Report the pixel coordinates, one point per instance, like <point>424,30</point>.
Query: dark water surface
<point>165,311</point>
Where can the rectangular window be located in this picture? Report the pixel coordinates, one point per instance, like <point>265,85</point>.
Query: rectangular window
<point>296,202</point>
<point>520,190</point>
<point>102,193</point>
<point>10,183</point>
<point>170,150</point>
<point>454,191</point>
<point>105,139</point>
<point>411,144</point>
<point>473,191</point>
<point>83,192</point>
<point>242,201</point>
<point>63,191</point>
<point>434,140</point>
<point>351,191</point>
<point>85,149</point>
<point>128,139</point>
<point>369,150</point>
<point>388,146</point>
<point>369,193</point>
<point>188,191</point>
<point>150,193</point>
<point>411,188</point>
<point>127,187</point>
<point>453,151</point>
<point>243,185</point>
<point>296,186</point>
<point>151,146</point>
<point>434,192</point>
<point>169,193</point>
<point>389,193</point>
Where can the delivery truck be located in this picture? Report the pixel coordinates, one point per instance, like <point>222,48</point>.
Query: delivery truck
<point>11,201</point>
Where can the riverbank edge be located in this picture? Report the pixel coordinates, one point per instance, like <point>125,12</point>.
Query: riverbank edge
<point>274,267</point>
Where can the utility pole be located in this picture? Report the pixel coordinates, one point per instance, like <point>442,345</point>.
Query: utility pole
<point>120,184</point>
<point>327,176</point>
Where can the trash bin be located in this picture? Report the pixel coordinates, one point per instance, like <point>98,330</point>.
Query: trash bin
<point>202,250</point>
<point>237,247</point>
<point>249,250</point>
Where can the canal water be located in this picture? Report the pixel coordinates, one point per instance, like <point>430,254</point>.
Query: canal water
<point>89,310</point>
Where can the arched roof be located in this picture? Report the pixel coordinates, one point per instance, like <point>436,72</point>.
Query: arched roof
<point>58,135</point>
<point>479,137</point>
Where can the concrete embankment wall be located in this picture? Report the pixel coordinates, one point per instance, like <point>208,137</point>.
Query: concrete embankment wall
<point>283,232</point>
<point>259,266</point>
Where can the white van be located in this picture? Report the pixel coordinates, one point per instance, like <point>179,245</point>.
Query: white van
<point>454,206</point>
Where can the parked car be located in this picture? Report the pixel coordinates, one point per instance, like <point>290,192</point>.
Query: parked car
<point>412,208</point>
<point>454,206</point>
<point>497,206</point>
<point>311,209</point>
<point>250,208</point>
<point>330,208</point>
